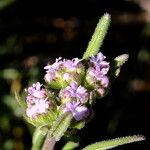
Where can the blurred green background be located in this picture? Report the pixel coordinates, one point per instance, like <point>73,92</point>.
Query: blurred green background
<point>33,33</point>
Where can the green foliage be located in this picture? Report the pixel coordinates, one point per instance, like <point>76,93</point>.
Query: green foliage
<point>98,36</point>
<point>77,125</point>
<point>37,140</point>
<point>108,144</point>
<point>70,145</point>
<point>20,101</point>
<point>60,126</point>
<point>117,64</point>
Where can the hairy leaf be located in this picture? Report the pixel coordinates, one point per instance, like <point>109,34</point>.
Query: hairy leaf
<point>98,37</point>
<point>60,126</point>
<point>20,101</point>
<point>108,144</point>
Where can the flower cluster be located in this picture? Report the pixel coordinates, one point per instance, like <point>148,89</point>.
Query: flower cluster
<point>75,97</point>
<point>63,72</point>
<point>73,85</point>
<point>96,76</point>
<point>37,101</point>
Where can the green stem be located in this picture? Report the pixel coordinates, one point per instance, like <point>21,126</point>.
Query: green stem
<point>98,36</point>
<point>38,139</point>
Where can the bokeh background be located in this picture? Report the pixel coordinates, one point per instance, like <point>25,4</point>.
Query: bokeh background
<point>33,33</point>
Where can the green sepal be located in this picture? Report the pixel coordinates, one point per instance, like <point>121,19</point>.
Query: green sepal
<point>43,119</point>
<point>60,126</point>
<point>21,102</point>
<point>60,83</point>
<point>98,36</point>
<point>108,144</point>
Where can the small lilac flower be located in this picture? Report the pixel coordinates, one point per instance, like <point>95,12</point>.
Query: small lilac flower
<point>79,112</point>
<point>98,63</point>
<point>74,93</point>
<point>63,72</point>
<point>72,65</point>
<point>101,91</point>
<point>51,72</point>
<point>96,75</point>
<point>40,106</point>
<point>37,100</point>
<point>36,91</point>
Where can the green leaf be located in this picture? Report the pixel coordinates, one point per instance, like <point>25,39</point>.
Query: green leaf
<point>121,59</point>
<point>78,125</point>
<point>70,145</point>
<point>98,37</point>
<point>38,139</point>
<point>118,63</point>
<point>108,144</point>
<point>20,101</point>
<point>60,126</point>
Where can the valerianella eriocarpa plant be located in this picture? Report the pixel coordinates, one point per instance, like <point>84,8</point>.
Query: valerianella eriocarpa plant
<point>64,103</point>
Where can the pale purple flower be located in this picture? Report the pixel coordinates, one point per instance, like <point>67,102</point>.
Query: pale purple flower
<point>101,91</point>
<point>72,65</point>
<point>36,91</point>
<point>67,77</point>
<point>64,69</point>
<point>78,111</point>
<point>51,70</point>
<point>97,72</point>
<point>98,58</point>
<point>40,106</point>
<point>98,63</point>
<point>37,100</point>
<point>95,75</point>
<point>74,93</point>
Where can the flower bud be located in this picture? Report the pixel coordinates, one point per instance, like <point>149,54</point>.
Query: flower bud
<point>63,72</point>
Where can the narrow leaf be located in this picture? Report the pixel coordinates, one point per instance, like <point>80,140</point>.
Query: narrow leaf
<point>60,126</point>
<point>20,101</point>
<point>103,145</point>
<point>98,36</point>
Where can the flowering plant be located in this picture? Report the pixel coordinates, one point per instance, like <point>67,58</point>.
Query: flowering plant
<point>64,104</point>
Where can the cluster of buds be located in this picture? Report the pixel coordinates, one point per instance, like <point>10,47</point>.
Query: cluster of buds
<point>73,84</point>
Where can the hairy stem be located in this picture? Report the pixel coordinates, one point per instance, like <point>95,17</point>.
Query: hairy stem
<point>49,143</point>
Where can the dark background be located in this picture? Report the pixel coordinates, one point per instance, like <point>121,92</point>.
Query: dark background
<point>35,32</point>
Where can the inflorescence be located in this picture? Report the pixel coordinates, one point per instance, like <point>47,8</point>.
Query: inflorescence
<point>71,84</point>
